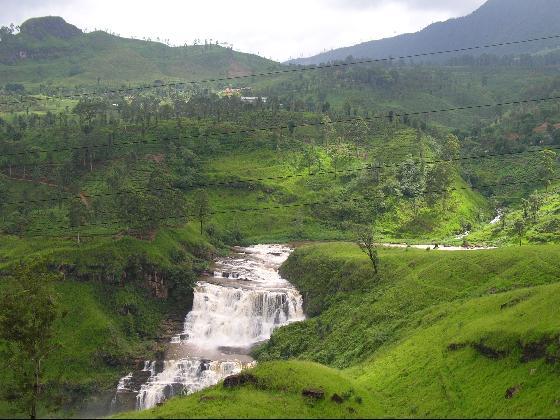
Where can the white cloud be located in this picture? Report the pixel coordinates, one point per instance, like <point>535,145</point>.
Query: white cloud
<point>279,30</point>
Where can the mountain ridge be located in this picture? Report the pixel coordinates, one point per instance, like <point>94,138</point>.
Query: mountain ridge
<point>50,50</point>
<point>494,22</point>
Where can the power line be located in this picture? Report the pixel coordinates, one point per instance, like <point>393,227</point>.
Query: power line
<point>310,204</point>
<point>288,71</point>
<point>389,116</point>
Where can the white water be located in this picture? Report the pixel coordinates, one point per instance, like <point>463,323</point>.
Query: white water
<point>233,310</point>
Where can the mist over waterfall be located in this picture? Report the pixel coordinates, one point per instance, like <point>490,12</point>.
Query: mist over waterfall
<point>236,308</point>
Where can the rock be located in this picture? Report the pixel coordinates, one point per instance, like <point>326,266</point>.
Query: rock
<point>511,392</point>
<point>534,351</point>
<point>317,394</point>
<point>337,399</point>
<point>456,346</point>
<point>239,380</point>
<point>489,352</point>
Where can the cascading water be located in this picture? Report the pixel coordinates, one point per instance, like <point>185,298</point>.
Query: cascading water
<point>239,306</point>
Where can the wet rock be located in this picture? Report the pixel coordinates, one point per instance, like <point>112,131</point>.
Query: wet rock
<point>337,399</point>
<point>205,364</point>
<point>316,394</point>
<point>240,379</point>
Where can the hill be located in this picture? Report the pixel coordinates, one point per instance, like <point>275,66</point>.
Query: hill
<point>48,50</point>
<point>494,22</point>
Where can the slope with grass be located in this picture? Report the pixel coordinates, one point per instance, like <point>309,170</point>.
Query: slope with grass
<point>116,296</point>
<point>50,51</point>
<point>466,334</point>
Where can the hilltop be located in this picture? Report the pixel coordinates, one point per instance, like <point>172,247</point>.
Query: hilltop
<point>494,22</point>
<point>48,50</point>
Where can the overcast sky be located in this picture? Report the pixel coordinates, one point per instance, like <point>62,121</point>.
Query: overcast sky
<point>275,29</point>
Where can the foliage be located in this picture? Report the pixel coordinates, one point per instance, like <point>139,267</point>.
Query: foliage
<point>28,312</point>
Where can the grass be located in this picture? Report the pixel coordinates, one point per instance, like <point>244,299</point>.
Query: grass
<point>111,315</point>
<point>277,394</point>
<point>437,334</point>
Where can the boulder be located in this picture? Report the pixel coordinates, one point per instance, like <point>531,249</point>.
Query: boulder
<point>316,394</point>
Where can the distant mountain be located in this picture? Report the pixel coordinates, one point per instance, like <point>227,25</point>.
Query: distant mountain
<point>494,22</point>
<point>50,50</point>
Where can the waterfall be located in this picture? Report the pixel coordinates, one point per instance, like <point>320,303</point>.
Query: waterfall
<point>236,308</point>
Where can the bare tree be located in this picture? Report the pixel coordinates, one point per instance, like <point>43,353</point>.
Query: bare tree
<point>366,241</point>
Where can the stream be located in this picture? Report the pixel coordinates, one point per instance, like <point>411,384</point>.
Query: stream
<point>234,309</point>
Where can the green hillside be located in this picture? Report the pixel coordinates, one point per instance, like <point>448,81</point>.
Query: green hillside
<point>435,334</point>
<point>50,52</point>
<point>126,196</point>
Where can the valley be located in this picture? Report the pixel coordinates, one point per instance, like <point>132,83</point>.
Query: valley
<point>197,232</point>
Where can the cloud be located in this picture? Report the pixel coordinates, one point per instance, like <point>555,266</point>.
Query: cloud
<point>452,6</point>
<point>279,30</point>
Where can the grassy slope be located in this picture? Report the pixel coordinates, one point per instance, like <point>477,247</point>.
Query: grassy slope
<point>428,340</point>
<point>115,60</point>
<point>276,395</point>
<point>98,341</point>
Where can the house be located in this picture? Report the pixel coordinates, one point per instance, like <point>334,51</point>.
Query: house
<point>253,99</point>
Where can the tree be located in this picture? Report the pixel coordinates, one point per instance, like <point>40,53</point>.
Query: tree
<point>519,229</point>
<point>365,239</point>
<point>144,210</point>
<point>439,179</point>
<point>201,207</point>
<point>412,181</point>
<point>547,166</point>
<point>78,215</point>
<point>451,148</point>
<point>535,203</point>
<point>310,158</point>
<point>357,132</point>
<point>328,130</point>
<point>28,311</point>
<point>341,157</point>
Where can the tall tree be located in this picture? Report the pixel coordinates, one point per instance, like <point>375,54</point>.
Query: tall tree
<point>28,312</point>
<point>201,207</point>
<point>365,239</point>
<point>547,166</point>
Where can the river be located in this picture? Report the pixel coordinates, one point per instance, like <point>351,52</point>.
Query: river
<point>233,310</point>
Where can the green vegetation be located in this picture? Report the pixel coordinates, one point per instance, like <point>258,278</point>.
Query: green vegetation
<point>113,306</point>
<point>444,334</point>
<point>276,394</point>
<point>127,195</point>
